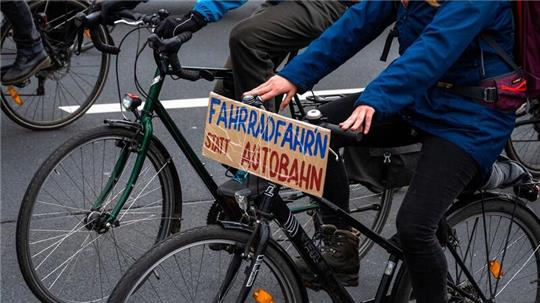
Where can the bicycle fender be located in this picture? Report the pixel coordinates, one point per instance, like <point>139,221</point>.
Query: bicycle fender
<point>115,123</point>
<point>231,225</point>
<point>475,197</point>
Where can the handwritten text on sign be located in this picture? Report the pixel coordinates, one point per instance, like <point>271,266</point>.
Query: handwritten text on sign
<point>283,150</point>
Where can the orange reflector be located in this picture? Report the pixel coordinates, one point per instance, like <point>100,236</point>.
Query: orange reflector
<point>15,95</point>
<point>262,296</point>
<point>496,269</point>
<point>87,33</point>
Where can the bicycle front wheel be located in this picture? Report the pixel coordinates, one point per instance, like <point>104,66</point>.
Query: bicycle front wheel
<point>65,251</point>
<point>191,267</point>
<point>500,247</point>
<point>58,95</point>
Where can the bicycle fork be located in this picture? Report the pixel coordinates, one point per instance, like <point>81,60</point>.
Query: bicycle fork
<point>141,148</point>
<point>257,244</point>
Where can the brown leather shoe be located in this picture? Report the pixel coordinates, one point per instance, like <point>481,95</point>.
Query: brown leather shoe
<point>340,251</point>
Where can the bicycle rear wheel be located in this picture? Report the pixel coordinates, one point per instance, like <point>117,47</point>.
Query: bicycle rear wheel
<point>60,94</point>
<point>191,267</point>
<point>524,144</point>
<point>501,253</point>
<point>64,251</point>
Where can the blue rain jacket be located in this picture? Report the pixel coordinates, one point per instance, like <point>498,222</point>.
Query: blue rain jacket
<point>213,10</point>
<point>436,44</point>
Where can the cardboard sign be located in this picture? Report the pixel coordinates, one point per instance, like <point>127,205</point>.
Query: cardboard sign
<point>279,149</point>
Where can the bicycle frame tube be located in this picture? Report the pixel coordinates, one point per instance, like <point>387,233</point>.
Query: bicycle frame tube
<point>186,149</point>
<point>272,203</point>
<point>304,208</point>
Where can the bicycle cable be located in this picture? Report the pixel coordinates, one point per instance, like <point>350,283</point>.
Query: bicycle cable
<point>138,85</point>
<point>116,67</point>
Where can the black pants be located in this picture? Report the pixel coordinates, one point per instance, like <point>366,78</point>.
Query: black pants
<point>443,172</point>
<point>26,36</point>
<point>260,43</point>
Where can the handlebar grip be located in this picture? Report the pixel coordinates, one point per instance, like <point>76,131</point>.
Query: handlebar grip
<point>92,22</point>
<point>102,47</point>
<point>189,75</point>
<point>336,130</point>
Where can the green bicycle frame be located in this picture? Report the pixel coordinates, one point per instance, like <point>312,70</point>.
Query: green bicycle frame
<point>152,105</point>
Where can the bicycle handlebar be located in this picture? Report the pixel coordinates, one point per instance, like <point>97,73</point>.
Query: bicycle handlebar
<point>92,22</point>
<point>165,50</point>
<point>315,116</point>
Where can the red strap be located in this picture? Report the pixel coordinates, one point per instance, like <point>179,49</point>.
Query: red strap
<point>521,88</point>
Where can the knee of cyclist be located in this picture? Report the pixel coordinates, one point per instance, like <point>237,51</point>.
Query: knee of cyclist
<point>242,35</point>
<point>413,233</point>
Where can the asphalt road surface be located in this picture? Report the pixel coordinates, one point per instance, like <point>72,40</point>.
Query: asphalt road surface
<point>23,151</point>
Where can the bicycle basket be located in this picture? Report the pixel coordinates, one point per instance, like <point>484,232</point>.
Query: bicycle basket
<point>379,168</point>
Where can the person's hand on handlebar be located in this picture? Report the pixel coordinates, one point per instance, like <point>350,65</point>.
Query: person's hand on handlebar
<point>359,120</point>
<point>275,86</point>
<point>110,8</point>
<point>175,25</point>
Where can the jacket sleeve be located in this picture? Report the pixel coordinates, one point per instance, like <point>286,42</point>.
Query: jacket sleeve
<point>213,10</point>
<point>361,24</point>
<point>439,46</point>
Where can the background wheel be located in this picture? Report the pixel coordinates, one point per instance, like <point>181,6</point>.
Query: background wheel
<point>191,266</point>
<point>524,144</point>
<point>520,262</point>
<point>62,258</point>
<point>60,94</point>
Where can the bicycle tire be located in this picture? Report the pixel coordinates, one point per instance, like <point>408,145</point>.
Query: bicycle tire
<point>27,114</point>
<point>152,212</point>
<point>524,144</point>
<point>402,290</point>
<point>215,214</point>
<point>153,263</point>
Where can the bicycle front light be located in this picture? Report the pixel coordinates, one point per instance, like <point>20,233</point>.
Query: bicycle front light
<point>131,101</point>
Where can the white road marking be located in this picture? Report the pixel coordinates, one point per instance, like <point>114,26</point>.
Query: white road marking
<point>193,102</point>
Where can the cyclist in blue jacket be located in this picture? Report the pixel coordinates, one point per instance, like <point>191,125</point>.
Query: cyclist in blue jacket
<point>439,42</point>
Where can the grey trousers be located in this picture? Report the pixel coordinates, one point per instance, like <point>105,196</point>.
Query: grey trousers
<point>26,36</point>
<point>260,43</point>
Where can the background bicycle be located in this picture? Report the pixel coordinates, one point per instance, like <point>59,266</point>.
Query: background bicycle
<point>63,92</point>
<point>524,145</point>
